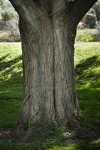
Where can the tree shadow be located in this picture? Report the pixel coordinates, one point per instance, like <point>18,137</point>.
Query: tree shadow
<point>88,89</point>
<point>3,58</point>
<point>85,72</point>
<point>8,64</point>
<point>11,77</point>
<point>88,145</point>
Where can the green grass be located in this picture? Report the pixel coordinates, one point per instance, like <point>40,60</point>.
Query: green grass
<point>10,83</point>
<point>78,145</point>
<point>87,68</point>
<point>84,35</point>
<point>10,71</point>
<point>87,35</point>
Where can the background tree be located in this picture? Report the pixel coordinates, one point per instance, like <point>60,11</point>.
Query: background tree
<point>90,19</point>
<point>96,7</point>
<point>8,22</point>
<point>7,11</point>
<point>48,30</point>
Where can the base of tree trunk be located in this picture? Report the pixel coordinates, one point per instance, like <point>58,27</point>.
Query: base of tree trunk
<point>29,134</point>
<point>48,70</point>
<point>48,30</point>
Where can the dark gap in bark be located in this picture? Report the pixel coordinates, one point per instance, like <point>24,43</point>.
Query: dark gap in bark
<point>54,100</point>
<point>54,86</point>
<point>69,6</point>
<point>38,2</point>
<point>49,6</point>
<point>54,71</point>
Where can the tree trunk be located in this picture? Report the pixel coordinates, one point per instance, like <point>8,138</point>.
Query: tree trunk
<point>48,29</point>
<point>65,91</point>
<point>48,69</point>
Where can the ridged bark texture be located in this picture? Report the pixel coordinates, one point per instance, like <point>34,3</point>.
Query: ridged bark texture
<point>48,69</point>
<point>48,29</point>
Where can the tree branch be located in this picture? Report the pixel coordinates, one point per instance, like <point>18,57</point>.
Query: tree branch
<point>27,9</point>
<point>18,5</point>
<point>78,9</point>
<point>23,7</point>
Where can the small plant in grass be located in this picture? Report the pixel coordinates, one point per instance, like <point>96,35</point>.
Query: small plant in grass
<point>85,35</point>
<point>88,35</point>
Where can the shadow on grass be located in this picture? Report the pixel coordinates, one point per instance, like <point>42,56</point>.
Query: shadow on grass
<point>88,89</point>
<point>51,141</point>
<point>10,89</point>
<point>88,145</point>
<point>3,58</point>
<point>8,64</point>
<point>87,71</point>
<point>11,77</point>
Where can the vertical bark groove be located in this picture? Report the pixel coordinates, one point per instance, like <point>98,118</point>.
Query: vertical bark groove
<point>48,68</point>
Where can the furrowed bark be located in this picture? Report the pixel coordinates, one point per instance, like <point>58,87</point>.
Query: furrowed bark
<point>65,90</point>
<point>37,47</point>
<point>48,33</point>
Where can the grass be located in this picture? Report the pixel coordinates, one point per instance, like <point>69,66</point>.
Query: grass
<point>87,35</point>
<point>84,35</point>
<point>78,145</point>
<point>10,71</point>
<point>87,68</point>
<point>10,83</point>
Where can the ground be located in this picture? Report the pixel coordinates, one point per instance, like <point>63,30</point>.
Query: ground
<point>87,70</point>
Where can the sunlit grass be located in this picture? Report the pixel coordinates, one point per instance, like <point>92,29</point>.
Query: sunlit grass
<point>10,70</point>
<point>87,68</point>
<point>10,83</point>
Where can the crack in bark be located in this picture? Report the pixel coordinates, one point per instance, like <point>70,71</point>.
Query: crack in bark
<point>26,98</point>
<point>54,93</point>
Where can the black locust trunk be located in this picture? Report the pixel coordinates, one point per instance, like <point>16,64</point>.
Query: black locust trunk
<point>48,69</point>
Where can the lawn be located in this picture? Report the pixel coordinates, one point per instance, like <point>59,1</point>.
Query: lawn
<point>10,84</point>
<point>87,71</point>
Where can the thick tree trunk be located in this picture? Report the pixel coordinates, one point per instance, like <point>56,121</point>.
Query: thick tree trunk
<point>48,68</point>
<point>37,47</point>
<point>48,29</point>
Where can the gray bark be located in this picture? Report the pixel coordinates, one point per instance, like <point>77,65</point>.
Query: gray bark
<point>48,30</point>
